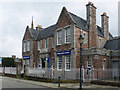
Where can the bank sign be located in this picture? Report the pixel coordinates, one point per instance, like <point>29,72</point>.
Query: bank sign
<point>26,57</point>
<point>64,53</point>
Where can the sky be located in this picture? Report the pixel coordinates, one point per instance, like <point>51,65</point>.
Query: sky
<point>15,16</point>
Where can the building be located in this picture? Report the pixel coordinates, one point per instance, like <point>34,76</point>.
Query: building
<point>57,46</point>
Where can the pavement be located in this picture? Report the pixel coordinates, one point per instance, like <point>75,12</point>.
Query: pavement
<point>63,85</point>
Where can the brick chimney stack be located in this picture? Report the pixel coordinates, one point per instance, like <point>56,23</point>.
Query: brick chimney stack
<point>39,27</point>
<point>91,21</point>
<point>105,25</point>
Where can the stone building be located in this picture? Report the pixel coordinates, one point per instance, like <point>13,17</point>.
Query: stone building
<point>57,46</point>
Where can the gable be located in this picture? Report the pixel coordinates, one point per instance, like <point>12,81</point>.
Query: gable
<point>64,19</point>
<point>27,35</point>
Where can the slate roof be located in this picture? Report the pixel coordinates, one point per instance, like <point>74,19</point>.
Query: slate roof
<point>46,32</point>
<point>49,31</point>
<point>112,44</point>
<point>33,33</point>
<point>81,23</point>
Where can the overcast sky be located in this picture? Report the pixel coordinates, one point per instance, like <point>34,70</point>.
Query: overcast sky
<point>15,16</point>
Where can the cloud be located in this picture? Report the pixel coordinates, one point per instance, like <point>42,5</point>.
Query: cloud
<point>15,16</point>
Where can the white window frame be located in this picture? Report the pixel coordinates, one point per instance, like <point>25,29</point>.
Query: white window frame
<point>39,44</point>
<point>100,41</point>
<point>24,46</point>
<point>46,42</point>
<point>67,35</point>
<point>58,63</point>
<point>67,63</point>
<point>59,38</point>
<point>28,45</point>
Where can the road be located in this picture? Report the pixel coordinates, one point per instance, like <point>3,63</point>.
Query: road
<point>7,82</point>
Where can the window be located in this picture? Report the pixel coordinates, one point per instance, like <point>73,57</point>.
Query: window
<point>53,63</point>
<point>59,63</point>
<point>103,64</point>
<point>52,42</point>
<point>24,47</point>
<point>59,37</point>
<point>67,35</point>
<point>46,42</point>
<point>39,45</point>
<point>99,43</point>
<point>84,37</point>
<point>67,63</point>
<point>28,45</point>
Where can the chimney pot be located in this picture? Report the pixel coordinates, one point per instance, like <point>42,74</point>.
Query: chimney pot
<point>104,13</point>
<point>39,27</point>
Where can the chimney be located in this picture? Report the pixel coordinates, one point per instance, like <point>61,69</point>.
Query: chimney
<point>105,25</point>
<point>91,22</point>
<point>39,27</point>
<point>91,12</point>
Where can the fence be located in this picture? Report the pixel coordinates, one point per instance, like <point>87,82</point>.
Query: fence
<point>87,74</point>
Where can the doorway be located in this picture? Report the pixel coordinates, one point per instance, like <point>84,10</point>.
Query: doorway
<point>43,62</point>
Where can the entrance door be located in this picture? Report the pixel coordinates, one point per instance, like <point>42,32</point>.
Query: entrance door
<point>43,62</point>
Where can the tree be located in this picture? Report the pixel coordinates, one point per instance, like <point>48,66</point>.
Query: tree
<point>8,62</point>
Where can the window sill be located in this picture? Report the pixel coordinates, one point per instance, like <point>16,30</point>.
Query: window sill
<point>68,70</point>
<point>67,43</point>
<point>59,69</point>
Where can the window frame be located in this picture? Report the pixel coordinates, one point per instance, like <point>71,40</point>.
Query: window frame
<point>100,42</point>
<point>53,63</point>
<point>46,43</point>
<point>58,63</point>
<point>67,63</point>
<point>85,36</point>
<point>60,37</point>
<point>52,42</point>
<point>28,45</point>
<point>39,44</point>
<point>67,35</point>
<point>24,46</point>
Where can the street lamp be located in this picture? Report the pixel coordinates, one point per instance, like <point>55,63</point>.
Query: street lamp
<point>81,41</point>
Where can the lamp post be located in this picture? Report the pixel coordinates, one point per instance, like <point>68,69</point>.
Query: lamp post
<point>81,41</point>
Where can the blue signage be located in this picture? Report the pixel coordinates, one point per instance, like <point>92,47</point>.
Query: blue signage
<point>47,59</point>
<point>64,53</point>
<point>26,57</point>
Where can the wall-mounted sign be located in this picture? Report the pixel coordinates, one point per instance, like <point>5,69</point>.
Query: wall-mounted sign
<point>47,59</point>
<point>64,53</point>
<point>26,57</point>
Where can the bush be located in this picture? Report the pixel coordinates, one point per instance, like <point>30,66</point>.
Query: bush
<point>8,62</point>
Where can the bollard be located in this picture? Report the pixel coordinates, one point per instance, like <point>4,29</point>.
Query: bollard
<point>59,82</point>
